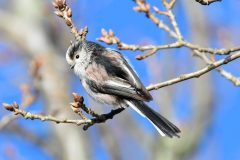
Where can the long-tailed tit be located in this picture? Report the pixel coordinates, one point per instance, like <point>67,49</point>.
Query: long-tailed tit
<point>108,78</point>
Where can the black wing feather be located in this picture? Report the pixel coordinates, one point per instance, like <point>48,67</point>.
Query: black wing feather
<point>115,87</point>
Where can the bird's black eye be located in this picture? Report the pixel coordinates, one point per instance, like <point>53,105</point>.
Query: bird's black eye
<point>77,56</point>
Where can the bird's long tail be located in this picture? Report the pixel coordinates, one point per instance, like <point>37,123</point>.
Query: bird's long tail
<point>163,126</point>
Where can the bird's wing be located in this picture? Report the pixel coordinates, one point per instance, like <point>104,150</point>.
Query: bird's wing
<point>123,80</point>
<point>130,74</point>
<point>117,87</point>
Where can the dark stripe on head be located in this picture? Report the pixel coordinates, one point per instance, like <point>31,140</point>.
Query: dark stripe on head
<point>77,45</point>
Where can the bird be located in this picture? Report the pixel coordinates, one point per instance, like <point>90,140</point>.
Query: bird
<point>108,78</point>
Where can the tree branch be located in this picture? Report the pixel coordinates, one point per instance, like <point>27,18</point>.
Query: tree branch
<point>195,74</point>
<point>225,74</point>
<point>78,106</point>
<point>65,12</point>
<point>145,8</point>
<point>110,38</point>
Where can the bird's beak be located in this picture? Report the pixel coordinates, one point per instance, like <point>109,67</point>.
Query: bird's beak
<point>72,66</point>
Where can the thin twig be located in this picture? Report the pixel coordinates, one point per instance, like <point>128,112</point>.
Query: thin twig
<point>195,74</point>
<point>86,122</point>
<point>110,38</point>
<point>65,12</point>
<point>229,76</point>
<point>225,74</point>
<point>223,51</point>
<point>169,6</point>
<point>32,116</point>
<point>102,118</point>
<point>145,7</point>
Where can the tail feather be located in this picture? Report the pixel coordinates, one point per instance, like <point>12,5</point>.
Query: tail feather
<point>161,123</point>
